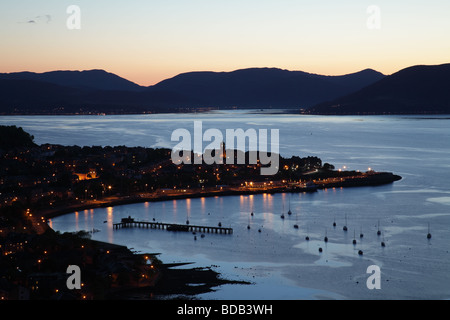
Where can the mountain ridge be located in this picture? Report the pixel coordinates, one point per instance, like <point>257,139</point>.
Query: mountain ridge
<point>265,87</point>
<point>413,90</point>
<point>100,91</point>
<point>97,79</point>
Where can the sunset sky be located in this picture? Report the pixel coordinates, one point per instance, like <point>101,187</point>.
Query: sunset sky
<point>147,41</point>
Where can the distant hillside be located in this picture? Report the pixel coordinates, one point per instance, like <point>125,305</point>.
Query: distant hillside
<point>38,97</point>
<point>90,79</point>
<point>414,90</point>
<point>30,95</point>
<point>265,87</point>
<point>100,91</point>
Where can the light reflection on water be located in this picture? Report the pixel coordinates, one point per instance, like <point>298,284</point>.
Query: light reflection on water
<point>278,260</point>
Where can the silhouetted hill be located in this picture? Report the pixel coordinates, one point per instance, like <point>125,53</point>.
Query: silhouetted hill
<point>265,87</point>
<point>100,91</point>
<point>13,137</point>
<point>414,90</point>
<point>90,79</point>
<point>29,96</point>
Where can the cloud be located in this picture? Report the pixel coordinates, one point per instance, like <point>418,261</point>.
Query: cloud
<point>46,18</point>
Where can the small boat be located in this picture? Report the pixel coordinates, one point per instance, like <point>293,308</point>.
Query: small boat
<point>289,212</point>
<point>296,221</point>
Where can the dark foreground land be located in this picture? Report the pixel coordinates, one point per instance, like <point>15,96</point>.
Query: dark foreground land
<point>174,283</point>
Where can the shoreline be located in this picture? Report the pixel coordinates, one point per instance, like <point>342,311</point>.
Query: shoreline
<point>375,179</point>
<point>189,282</point>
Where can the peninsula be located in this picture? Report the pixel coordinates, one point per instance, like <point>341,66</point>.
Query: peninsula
<point>38,182</point>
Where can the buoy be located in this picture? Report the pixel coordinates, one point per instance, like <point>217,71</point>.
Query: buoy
<point>378,232</point>
<point>295,226</point>
<point>307,238</point>
<point>320,249</point>
<point>360,252</point>
<point>383,244</point>
<point>429,234</point>
<point>248,227</point>
<point>195,237</point>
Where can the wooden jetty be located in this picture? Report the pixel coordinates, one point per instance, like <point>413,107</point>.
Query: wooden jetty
<point>130,223</point>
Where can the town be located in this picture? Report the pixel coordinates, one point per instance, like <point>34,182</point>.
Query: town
<point>38,182</point>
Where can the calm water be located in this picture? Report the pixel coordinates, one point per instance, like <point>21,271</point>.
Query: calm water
<point>278,260</point>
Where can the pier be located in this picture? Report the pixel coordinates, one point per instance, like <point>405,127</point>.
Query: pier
<point>131,223</point>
